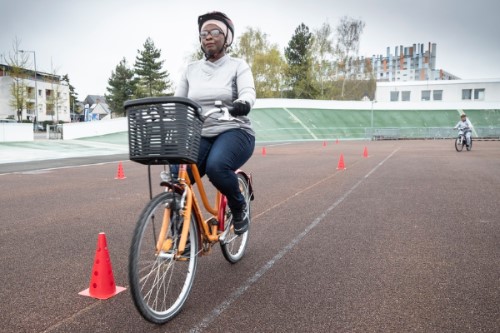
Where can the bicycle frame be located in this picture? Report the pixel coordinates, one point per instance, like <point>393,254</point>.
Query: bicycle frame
<point>209,232</point>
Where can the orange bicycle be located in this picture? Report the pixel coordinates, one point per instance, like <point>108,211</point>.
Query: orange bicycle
<point>171,232</point>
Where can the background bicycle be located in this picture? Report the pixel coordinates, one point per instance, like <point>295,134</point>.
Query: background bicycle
<point>461,140</point>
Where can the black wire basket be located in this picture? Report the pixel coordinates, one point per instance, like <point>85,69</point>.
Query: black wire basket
<point>163,130</point>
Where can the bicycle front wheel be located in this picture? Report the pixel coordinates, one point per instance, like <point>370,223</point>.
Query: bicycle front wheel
<point>161,279</point>
<point>459,145</point>
<point>233,246</point>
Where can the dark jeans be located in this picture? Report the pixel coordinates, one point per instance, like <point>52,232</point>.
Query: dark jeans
<point>219,157</point>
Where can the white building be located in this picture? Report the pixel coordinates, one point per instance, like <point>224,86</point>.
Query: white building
<point>52,97</point>
<point>466,92</point>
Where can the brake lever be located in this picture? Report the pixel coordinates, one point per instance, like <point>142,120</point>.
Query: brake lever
<point>226,116</point>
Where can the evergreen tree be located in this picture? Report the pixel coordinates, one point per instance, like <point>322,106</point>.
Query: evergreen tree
<point>299,58</point>
<point>152,81</point>
<point>121,87</point>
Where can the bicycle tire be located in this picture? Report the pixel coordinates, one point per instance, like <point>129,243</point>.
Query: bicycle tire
<point>459,145</point>
<point>160,283</point>
<point>233,246</point>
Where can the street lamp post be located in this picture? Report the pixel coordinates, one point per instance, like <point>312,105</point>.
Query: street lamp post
<point>371,122</point>
<point>36,88</point>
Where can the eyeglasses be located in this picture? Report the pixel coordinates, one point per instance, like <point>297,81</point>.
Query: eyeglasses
<point>214,33</point>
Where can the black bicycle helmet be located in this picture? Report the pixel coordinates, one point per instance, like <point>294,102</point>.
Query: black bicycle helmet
<point>219,16</point>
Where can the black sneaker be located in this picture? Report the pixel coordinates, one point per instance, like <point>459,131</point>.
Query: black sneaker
<point>240,220</point>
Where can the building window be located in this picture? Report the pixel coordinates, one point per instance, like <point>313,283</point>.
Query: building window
<point>437,95</point>
<point>466,94</point>
<point>48,93</point>
<point>30,108</point>
<point>50,109</point>
<point>479,94</point>
<point>426,95</point>
<point>405,96</point>
<point>394,96</point>
<point>31,92</point>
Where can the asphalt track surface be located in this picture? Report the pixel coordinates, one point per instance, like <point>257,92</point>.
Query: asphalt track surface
<point>404,240</point>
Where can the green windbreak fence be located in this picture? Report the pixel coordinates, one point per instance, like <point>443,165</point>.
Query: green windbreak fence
<point>287,124</point>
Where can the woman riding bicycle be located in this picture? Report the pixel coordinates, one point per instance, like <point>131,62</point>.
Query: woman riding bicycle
<point>465,125</point>
<point>225,144</point>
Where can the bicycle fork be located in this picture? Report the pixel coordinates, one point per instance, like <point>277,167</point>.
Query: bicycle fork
<point>165,243</point>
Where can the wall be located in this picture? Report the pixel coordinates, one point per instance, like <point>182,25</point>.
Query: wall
<point>12,132</point>
<point>452,90</point>
<point>267,103</point>
<point>94,128</point>
<point>5,108</point>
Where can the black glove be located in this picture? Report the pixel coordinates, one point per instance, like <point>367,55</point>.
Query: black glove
<point>240,108</point>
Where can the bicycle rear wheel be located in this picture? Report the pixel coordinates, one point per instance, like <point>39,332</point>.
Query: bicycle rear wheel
<point>233,246</point>
<point>160,281</point>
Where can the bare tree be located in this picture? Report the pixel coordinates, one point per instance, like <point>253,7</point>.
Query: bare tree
<point>18,62</point>
<point>54,100</point>
<point>323,53</point>
<point>349,31</point>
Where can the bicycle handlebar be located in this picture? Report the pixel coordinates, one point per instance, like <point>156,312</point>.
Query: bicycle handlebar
<point>226,115</point>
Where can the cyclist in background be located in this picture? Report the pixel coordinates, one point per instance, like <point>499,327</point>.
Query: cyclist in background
<point>466,125</point>
<point>225,144</point>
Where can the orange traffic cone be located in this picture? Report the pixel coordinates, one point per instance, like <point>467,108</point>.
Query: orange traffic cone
<point>263,151</point>
<point>341,165</point>
<point>365,152</point>
<point>324,143</point>
<point>120,174</point>
<point>337,141</point>
<point>102,282</point>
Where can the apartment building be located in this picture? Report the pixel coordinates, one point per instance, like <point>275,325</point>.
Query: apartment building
<point>407,63</point>
<point>46,96</point>
<point>466,92</point>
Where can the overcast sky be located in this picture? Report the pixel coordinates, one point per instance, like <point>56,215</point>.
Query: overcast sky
<point>87,38</point>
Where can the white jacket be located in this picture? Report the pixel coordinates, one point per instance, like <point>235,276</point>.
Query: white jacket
<point>225,80</point>
<point>464,124</point>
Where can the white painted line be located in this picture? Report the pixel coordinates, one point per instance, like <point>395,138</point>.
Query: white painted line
<point>241,290</point>
<point>47,170</point>
<point>301,123</point>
